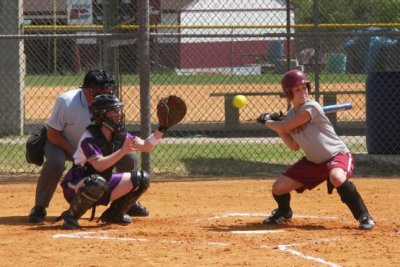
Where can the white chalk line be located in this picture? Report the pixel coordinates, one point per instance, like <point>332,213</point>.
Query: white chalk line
<point>102,235</point>
<point>98,236</point>
<point>282,247</point>
<point>286,248</point>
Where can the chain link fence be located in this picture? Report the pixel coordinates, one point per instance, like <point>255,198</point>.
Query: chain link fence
<point>206,52</point>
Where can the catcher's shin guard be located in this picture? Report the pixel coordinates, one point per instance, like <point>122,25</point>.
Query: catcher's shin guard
<point>350,196</point>
<point>119,207</point>
<point>93,189</point>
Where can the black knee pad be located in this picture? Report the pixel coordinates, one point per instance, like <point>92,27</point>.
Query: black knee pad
<point>92,190</point>
<point>94,187</point>
<point>140,181</point>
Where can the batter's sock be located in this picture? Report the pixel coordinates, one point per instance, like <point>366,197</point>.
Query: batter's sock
<point>350,196</point>
<point>283,202</point>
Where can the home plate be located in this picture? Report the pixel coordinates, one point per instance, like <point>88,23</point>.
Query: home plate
<point>258,232</point>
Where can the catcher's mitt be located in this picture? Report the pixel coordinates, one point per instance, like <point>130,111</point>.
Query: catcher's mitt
<point>170,111</point>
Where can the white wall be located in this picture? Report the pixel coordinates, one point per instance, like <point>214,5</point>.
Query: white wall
<point>232,18</point>
<point>225,13</point>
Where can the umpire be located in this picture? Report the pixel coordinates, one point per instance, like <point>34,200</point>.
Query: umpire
<point>69,118</point>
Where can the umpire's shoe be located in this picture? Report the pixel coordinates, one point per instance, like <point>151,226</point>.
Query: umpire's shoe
<point>278,217</point>
<point>138,210</point>
<point>366,222</point>
<point>37,214</point>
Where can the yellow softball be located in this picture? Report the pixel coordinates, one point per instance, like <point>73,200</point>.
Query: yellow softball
<point>239,101</point>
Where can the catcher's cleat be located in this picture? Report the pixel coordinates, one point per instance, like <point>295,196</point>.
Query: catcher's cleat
<point>278,217</point>
<point>138,210</point>
<point>70,223</point>
<point>37,214</point>
<point>110,216</point>
<point>366,222</point>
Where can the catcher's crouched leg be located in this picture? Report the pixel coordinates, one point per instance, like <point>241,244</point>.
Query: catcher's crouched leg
<point>117,212</point>
<point>92,190</point>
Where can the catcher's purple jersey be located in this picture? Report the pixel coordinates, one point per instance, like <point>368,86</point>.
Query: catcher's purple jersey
<point>87,150</point>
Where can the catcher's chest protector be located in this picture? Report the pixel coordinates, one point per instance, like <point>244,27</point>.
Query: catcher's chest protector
<point>106,147</point>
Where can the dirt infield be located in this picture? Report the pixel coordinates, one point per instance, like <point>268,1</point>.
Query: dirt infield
<point>201,106</point>
<point>208,223</point>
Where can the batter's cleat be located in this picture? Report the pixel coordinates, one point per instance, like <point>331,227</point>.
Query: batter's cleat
<point>138,210</point>
<point>110,216</point>
<point>366,222</point>
<point>278,217</point>
<point>70,223</point>
<point>37,214</point>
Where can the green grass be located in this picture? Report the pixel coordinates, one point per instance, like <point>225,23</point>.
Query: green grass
<point>196,159</point>
<point>211,160</point>
<point>170,78</point>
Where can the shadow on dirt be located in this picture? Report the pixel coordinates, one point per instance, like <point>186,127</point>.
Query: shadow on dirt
<point>259,227</point>
<point>48,224</point>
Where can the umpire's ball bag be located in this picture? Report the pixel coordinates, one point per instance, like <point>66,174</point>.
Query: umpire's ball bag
<point>35,147</point>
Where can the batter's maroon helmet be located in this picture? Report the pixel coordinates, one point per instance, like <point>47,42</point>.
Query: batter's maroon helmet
<point>293,78</point>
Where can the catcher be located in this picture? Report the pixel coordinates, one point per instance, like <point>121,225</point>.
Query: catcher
<point>327,158</point>
<point>91,181</point>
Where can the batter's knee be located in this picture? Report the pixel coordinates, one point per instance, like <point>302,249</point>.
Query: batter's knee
<point>278,188</point>
<point>140,181</point>
<point>337,177</point>
<point>282,186</point>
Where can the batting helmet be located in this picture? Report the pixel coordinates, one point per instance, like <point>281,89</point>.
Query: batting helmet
<point>99,78</point>
<point>293,78</point>
<point>103,103</point>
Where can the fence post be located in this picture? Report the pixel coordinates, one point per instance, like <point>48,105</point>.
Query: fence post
<point>231,114</point>
<point>144,76</point>
<point>111,46</point>
<point>12,70</point>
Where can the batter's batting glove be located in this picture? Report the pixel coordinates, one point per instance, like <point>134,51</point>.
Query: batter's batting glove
<point>277,116</point>
<point>263,118</point>
<point>274,117</point>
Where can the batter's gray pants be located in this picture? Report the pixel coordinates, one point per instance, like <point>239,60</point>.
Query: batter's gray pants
<point>54,167</point>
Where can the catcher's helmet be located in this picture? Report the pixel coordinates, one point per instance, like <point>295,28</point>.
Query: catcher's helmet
<point>103,103</point>
<point>99,78</point>
<point>293,78</point>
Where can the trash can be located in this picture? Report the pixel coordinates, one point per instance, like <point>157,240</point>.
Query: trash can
<point>382,65</point>
<point>337,63</point>
<point>362,52</point>
<point>356,50</point>
<point>383,112</point>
